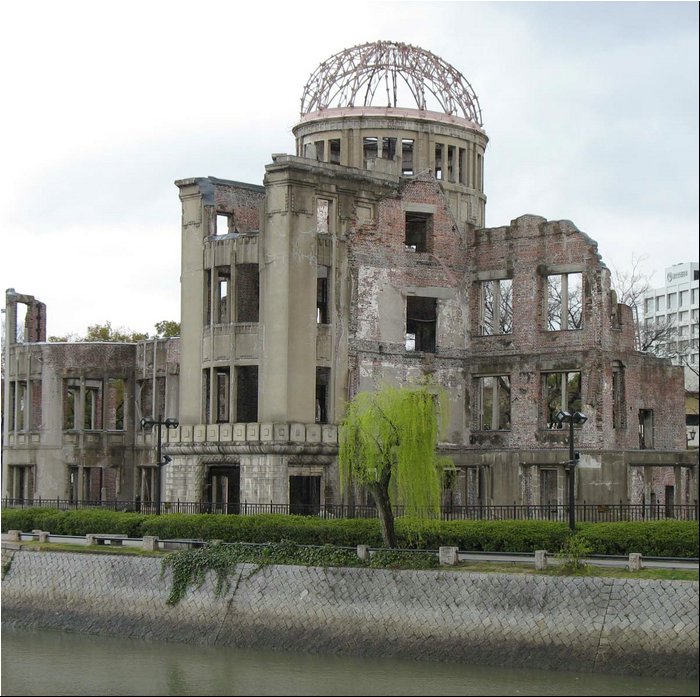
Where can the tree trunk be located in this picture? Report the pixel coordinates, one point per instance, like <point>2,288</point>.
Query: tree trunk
<point>380,492</point>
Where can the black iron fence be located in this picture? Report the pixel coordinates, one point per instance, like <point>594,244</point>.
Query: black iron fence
<point>585,512</point>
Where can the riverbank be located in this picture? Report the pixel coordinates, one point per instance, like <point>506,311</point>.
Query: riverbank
<point>634,627</point>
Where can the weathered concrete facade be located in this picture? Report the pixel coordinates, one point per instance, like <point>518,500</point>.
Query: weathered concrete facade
<point>362,259</point>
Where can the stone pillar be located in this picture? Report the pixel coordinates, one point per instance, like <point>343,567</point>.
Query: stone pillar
<point>635,561</point>
<point>150,543</point>
<point>449,556</point>
<point>541,559</point>
<point>14,535</point>
<point>363,552</point>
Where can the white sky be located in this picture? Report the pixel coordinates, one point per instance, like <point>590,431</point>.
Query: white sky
<point>591,110</point>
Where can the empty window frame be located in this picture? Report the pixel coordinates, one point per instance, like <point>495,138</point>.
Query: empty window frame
<point>451,162</point>
<point>618,396</point>
<point>462,170</point>
<point>247,393</point>
<point>114,407</point>
<point>71,401</point>
<point>322,304</point>
<point>369,149</point>
<point>334,151</point>
<point>223,394</point>
<point>407,156</point>
<point>418,231</point>
<point>323,380</point>
<point>247,293</point>
<point>92,405</point>
<point>561,392</point>
<point>564,301</point>
<point>223,222</point>
<point>388,148</point>
<point>493,394</point>
<point>439,154</point>
<point>646,429</point>
<point>18,405</point>
<point>496,307</point>
<point>421,324</point>
<point>222,298</point>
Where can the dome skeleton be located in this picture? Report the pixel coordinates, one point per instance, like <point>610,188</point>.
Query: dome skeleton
<point>339,80</point>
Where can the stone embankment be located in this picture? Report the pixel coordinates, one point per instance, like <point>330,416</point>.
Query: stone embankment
<point>638,627</point>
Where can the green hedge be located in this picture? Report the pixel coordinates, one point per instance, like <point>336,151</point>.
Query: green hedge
<point>658,538</point>
<point>666,538</point>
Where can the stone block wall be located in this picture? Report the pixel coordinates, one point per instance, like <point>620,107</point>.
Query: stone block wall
<point>554,623</point>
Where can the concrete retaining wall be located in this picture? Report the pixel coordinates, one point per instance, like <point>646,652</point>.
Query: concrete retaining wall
<point>583,624</point>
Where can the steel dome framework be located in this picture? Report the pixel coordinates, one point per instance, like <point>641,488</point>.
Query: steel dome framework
<point>363,74</point>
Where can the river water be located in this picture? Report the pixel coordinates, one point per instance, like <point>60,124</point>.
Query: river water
<point>56,663</point>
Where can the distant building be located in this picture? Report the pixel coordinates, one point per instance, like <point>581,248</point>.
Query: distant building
<point>363,259</point>
<point>671,320</point>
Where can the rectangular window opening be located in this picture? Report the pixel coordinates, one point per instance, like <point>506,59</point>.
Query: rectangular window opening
<point>223,289</point>
<point>494,403</point>
<point>562,392</point>
<point>564,301</point>
<point>223,221</point>
<point>323,380</point>
<point>418,232</point>
<point>406,156</point>
<point>388,148</point>
<point>421,324</point>
<point>247,293</point>
<point>496,307</point>
<point>114,409</point>
<point>222,394</point>
<point>451,158</point>
<point>438,160</point>
<point>369,149</point>
<point>247,393</point>
<point>646,429</point>
<point>334,148</point>
<point>322,305</point>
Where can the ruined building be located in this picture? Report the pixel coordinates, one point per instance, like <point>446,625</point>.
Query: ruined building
<point>362,259</point>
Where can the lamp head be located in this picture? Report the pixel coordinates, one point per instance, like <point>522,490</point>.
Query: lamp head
<point>147,423</point>
<point>579,418</point>
<point>171,423</point>
<point>562,416</point>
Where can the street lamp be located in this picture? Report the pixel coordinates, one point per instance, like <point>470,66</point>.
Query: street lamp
<point>576,418</point>
<point>168,423</point>
<point>690,436</point>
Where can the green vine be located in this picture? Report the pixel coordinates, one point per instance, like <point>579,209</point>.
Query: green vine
<point>190,567</point>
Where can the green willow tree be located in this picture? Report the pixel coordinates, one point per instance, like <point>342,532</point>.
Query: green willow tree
<point>388,442</point>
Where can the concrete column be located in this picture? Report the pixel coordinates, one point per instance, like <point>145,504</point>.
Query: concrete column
<point>362,552</point>
<point>541,559</point>
<point>635,562</point>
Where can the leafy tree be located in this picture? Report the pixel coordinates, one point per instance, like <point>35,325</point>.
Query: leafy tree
<point>106,332</point>
<point>388,442</point>
<point>167,328</point>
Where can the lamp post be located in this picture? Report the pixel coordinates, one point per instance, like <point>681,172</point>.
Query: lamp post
<point>168,423</point>
<point>576,418</point>
<point>690,437</point>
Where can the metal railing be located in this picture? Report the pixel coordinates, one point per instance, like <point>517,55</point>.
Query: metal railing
<point>585,512</point>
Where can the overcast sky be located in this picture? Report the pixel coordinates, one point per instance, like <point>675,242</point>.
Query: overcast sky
<point>591,110</point>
